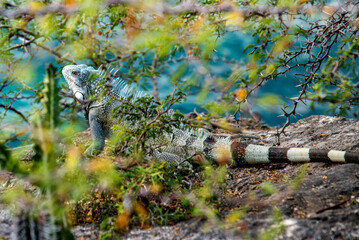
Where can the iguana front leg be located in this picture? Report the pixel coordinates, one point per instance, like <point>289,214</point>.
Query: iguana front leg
<point>98,135</point>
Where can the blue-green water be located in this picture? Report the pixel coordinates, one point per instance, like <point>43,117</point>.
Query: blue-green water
<point>231,47</point>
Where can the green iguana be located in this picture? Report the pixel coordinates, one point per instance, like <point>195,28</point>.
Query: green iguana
<point>85,81</point>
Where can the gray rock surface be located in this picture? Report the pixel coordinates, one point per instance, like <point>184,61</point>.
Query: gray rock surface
<point>326,205</point>
<point>322,205</point>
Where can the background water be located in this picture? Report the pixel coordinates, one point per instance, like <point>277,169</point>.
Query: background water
<point>231,46</point>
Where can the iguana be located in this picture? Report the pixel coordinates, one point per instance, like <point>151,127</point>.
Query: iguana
<point>85,81</point>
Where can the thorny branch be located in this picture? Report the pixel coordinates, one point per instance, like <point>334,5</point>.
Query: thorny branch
<point>310,53</point>
<point>11,108</point>
<point>8,99</point>
<point>318,49</point>
<point>160,113</point>
<point>32,40</point>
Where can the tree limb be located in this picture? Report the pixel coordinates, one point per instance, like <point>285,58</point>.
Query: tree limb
<point>15,111</point>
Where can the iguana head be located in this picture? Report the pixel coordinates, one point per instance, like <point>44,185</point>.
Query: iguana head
<point>77,77</point>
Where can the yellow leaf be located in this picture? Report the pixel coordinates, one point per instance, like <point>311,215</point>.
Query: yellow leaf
<point>156,188</point>
<point>235,216</point>
<point>235,19</point>
<point>132,24</point>
<point>99,164</point>
<point>73,158</point>
<point>70,3</point>
<point>198,23</point>
<point>281,45</point>
<point>35,6</point>
<point>241,95</point>
<point>357,22</point>
<point>123,222</point>
<point>140,209</point>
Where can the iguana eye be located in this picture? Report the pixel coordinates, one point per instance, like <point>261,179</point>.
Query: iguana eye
<point>74,73</point>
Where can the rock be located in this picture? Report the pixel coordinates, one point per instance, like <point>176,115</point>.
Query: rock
<point>86,232</point>
<point>312,201</point>
<point>325,205</point>
<point>5,222</point>
<point>191,229</point>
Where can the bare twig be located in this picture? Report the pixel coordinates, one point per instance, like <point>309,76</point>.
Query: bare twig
<point>9,107</point>
<point>57,54</point>
<point>335,206</point>
<point>24,44</point>
<point>154,78</point>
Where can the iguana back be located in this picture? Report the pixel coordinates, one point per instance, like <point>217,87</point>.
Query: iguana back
<point>86,82</point>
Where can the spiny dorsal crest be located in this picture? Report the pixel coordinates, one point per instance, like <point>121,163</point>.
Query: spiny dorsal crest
<point>118,88</point>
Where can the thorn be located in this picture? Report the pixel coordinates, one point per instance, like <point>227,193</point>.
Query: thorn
<point>291,99</point>
<point>303,102</point>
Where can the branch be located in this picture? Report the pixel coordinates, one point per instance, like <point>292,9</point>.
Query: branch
<point>154,78</point>
<point>183,7</point>
<point>194,58</point>
<point>19,29</point>
<point>57,54</point>
<point>15,111</point>
<point>21,45</point>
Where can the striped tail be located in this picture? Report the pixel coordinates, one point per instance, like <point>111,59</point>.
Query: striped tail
<point>256,154</point>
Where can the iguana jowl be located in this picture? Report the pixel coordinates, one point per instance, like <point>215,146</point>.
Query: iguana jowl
<point>85,81</point>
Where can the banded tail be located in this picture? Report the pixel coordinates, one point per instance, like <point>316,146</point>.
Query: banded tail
<point>243,153</point>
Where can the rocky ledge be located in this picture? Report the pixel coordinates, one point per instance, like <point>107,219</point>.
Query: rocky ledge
<point>311,201</point>
<point>325,205</point>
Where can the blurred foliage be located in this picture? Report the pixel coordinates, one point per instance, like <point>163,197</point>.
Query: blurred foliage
<point>143,122</point>
<point>149,41</point>
<point>296,182</point>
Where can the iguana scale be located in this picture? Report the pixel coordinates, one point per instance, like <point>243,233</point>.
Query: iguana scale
<point>85,81</point>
